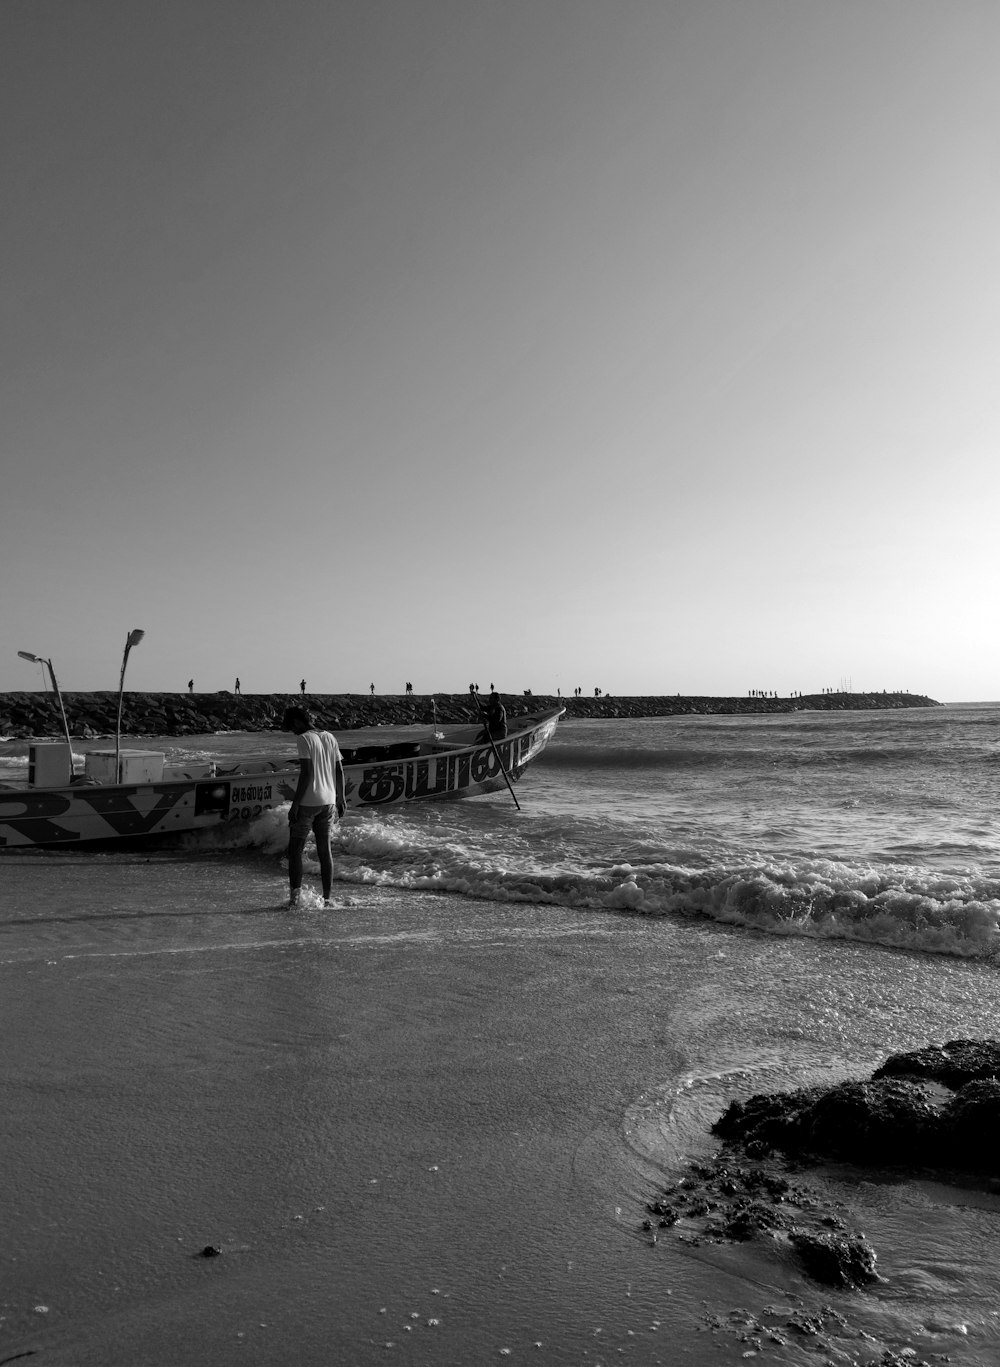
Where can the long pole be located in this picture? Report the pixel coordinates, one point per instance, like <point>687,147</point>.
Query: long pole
<point>62,710</point>
<point>134,637</point>
<point>489,737</point>
<point>40,660</point>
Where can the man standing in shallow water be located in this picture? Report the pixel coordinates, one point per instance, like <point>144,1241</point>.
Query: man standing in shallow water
<point>320,799</point>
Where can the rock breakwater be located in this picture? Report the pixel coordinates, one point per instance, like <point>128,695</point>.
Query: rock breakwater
<point>23,715</point>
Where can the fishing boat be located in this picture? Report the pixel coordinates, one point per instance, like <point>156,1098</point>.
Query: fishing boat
<point>129,795</point>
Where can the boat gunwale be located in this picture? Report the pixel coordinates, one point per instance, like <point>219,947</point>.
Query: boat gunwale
<point>428,750</point>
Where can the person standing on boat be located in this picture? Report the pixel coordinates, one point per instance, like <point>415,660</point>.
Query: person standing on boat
<point>319,802</point>
<point>496,717</point>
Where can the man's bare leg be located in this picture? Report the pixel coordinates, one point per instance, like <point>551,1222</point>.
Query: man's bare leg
<point>295,847</point>
<point>325,856</point>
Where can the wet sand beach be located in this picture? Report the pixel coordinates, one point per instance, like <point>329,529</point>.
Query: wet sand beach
<point>400,1123</point>
<point>418,1128</point>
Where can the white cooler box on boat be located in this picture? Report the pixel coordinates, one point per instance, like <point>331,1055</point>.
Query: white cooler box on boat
<point>134,766</point>
<point>50,764</point>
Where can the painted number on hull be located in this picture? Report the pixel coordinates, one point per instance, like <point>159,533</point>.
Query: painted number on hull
<point>248,800</point>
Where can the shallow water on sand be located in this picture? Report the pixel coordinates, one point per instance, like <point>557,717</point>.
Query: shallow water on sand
<point>431,1122</point>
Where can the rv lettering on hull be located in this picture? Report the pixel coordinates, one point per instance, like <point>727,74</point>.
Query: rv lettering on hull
<point>39,817</point>
<point>63,817</point>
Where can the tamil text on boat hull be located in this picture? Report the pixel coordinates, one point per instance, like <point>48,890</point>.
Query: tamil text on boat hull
<point>469,768</point>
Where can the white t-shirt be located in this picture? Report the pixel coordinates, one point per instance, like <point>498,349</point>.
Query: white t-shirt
<point>321,747</point>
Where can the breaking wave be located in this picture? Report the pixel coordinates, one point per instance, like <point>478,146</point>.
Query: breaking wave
<point>905,907</point>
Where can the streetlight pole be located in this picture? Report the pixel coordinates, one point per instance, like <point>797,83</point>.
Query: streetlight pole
<point>134,637</point>
<point>40,660</point>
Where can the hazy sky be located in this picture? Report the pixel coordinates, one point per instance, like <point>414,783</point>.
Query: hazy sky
<point>644,344</point>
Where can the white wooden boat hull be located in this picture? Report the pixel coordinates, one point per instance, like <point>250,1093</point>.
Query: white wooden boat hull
<point>376,776</point>
<point>461,767</point>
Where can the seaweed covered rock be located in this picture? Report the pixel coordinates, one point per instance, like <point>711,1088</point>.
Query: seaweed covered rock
<point>724,1202</point>
<point>972,1124</point>
<point>835,1259</point>
<point>750,1219</point>
<point>893,1120</point>
<point>952,1064</point>
<point>936,1108</point>
<point>766,1121</point>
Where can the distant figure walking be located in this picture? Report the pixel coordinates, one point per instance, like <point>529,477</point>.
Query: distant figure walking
<point>409,689</point>
<point>302,687</point>
<point>371,688</point>
<point>190,685</point>
<point>237,688</point>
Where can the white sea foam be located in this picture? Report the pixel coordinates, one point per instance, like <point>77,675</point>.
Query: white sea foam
<point>903,908</point>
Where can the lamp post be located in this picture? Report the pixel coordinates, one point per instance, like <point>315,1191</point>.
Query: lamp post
<point>134,637</point>
<point>40,660</point>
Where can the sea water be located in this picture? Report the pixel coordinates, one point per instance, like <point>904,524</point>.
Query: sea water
<point>874,827</point>
<point>826,885</point>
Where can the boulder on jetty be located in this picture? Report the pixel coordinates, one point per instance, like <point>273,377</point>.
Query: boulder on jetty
<point>937,1108</point>
<point>190,714</point>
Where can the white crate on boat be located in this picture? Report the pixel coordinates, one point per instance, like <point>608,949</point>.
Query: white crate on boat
<point>50,764</point>
<point>135,766</point>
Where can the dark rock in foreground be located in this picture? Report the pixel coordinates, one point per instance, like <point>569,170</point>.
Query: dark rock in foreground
<point>725,1202</point>
<point>952,1064</point>
<point>189,714</point>
<point>834,1259</point>
<point>936,1108</point>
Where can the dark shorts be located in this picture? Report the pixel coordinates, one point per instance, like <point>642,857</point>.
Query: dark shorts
<point>318,819</point>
